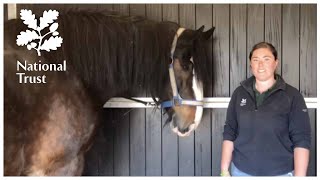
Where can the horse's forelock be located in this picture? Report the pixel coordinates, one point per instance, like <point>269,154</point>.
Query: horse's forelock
<point>202,63</point>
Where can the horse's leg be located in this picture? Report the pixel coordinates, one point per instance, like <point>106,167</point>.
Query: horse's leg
<point>74,167</point>
<point>13,159</point>
<point>59,147</point>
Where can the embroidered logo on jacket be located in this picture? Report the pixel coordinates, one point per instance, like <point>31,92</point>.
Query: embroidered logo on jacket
<point>243,102</point>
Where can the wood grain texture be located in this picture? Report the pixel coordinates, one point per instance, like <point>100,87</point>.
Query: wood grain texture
<point>218,121</point>
<point>313,151</point>
<point>238,60</point>
<point>273,28</point>
<point>290,45</point>
<point>308,53</point>
<point>255,29</point>
<point>221,50</point>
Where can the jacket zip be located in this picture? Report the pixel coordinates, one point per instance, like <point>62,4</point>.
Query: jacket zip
<point>253,98</point>
<point>255,101</point>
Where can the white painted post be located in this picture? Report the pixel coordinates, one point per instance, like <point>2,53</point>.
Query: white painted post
<point>12,11</point>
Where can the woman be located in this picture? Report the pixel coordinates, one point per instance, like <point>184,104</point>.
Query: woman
<point>267,130</point>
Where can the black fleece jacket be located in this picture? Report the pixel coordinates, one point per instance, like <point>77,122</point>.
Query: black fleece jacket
<point>264,137</point>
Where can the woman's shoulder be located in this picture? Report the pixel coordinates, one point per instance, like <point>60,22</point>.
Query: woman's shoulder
<point>240,90</point>
<point>292,91</point>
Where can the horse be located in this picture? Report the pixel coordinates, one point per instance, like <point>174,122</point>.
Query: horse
<point>49,123</point>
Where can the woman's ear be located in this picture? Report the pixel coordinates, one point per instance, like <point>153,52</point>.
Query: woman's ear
<point>277,62</point>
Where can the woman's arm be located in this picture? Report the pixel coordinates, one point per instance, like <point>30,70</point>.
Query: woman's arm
<point>227,148</point>
<point>301,160</point>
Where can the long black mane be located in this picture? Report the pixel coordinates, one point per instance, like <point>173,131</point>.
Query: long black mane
<point>117,55</point>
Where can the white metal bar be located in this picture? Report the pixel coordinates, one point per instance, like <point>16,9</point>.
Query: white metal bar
<point>210,102</point>
<point>12,11</point>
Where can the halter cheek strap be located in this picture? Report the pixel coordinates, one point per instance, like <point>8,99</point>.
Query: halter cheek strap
<point>175,39</point>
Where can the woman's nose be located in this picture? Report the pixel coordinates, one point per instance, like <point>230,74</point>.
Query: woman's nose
<point>260,63</point>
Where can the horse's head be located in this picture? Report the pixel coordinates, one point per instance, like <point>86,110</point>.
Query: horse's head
<point>187,73</point>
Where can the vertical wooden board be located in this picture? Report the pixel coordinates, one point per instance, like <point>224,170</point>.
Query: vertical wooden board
<point>255,29</point>
<point>170,12</point>
<point>154,12</point>
<point>237,45</point>
<point>187,15</point>
<point>137,9</point>
<point>137,142</point>
<point>122,9</point>
<point>221,50</point>
<point>5,12</point>
<point>170,155</point>
<point>153,142</point>
<point>204,17</point>
<point>121,143</point>
<point>91,166</point>
<point>138,121</point>
<point>186,155</point>
<point>186,144</point>
<point>105,142</point>
<point>308,51</point>
<point>153,121</point>
<point>170,165</point>
<point>290,44</point>
<point>273,29</point>
<point>72,6</point>
<point>312,167</point>
<point>203,132</point>
<point>203,145</point>
<point>105,7</point>
<point>91,7</point>
<point>218,121</point>
<point>99,159</point>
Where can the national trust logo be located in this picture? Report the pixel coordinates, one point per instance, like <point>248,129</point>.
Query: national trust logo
<point>35,39</point>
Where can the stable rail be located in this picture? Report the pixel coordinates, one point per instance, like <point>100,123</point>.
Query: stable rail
<point>218,102</point>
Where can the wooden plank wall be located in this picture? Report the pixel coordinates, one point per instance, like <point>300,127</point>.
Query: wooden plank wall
<point>136,144</point>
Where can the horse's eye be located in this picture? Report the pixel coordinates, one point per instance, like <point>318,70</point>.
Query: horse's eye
<point>187,66</point>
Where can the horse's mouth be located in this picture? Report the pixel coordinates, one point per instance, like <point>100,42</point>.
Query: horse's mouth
<point>182,126</point>
<point>182,132</point>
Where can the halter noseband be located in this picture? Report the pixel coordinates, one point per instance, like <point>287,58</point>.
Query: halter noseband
<point>177,100</point>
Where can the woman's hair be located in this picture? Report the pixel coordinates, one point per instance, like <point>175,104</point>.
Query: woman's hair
<point>264,45</point>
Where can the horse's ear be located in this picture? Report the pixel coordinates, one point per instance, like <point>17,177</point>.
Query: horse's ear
<point>206,35</point>
<point>198,32</point>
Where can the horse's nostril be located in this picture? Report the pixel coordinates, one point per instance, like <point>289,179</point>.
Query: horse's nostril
<point>185,130</point>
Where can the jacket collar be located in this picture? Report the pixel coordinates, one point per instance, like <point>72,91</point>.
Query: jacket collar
<point>248,83</point>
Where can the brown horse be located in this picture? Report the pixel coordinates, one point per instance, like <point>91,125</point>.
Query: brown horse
<point>51,115</point>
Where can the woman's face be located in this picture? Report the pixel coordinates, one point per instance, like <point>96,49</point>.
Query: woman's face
<point>263,64</point>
